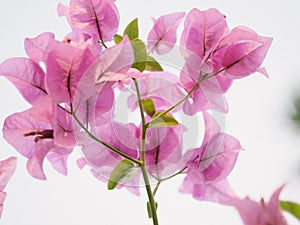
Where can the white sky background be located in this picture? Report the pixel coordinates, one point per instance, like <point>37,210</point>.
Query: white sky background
<point>258,117</point>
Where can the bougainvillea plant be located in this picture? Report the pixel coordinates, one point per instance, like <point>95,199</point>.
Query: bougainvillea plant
<point>72,86</point>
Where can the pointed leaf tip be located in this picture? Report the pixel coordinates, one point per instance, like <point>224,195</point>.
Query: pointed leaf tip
<point>118,38</point>
<point>163,121</point>
<point>153,65</point>
<point>149,107</point>
<point>132,29</point>
<point>124,171</point>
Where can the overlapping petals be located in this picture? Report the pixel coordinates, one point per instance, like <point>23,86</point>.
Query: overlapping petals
<point>102,161</point>
<point>209,165</point>
<point>241,53</point>
<point>66,65</point>
<point>210,49</point>
<point>99,18</point>
<point>113,65</point>
<point>202,32</point>
<point>163,150</point>
<point>162,37</point>
<point>207,95</point>
<point>34,132</point>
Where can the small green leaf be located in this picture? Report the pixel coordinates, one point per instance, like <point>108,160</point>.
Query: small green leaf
<point>149,107</point>
<point>163,121</point>
<point>121,173</point>
<point>118,38</point>
<point>132,29</point>
<point>149,209</point>
<point>140,54</point>
<point>153,65</point>
<point>291,207</point>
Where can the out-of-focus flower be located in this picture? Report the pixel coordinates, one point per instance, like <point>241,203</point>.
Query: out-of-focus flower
<point>7,168</point>
<point>260,213</point>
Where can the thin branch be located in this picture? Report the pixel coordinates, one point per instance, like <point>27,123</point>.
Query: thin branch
<point>105,144</point>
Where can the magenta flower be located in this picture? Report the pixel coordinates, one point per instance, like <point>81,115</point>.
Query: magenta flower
<point>210,49</point>
<point>98,18</point>
<point>98,109</point>
<point>202,32</point>
<point>36,47</point>
<point>162,37</point>
<point>163,151</point>
<point>209,165</point>
<point>207,95</point>
<point>27,76</point>
<point>113,66</point>
<point>241,53</point>
<point>260,213</point>
<point>102,161</point>
<point>66,65</point>
<point>7,168</point>
<point>42,131</point>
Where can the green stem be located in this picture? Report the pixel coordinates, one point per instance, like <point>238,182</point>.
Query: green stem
<point>139,101</point>
<point>150,195</point>
<point>201,78</point>
<point>156,188</point>
<point>105,144</point>
<point>143,157</point>
<point>144,127</point>
<point>175,174</point>
<point>177,104</point>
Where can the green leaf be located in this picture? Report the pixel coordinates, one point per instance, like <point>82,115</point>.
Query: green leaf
<point>163,121</point>
<point>118,38</point>
<point>296,114</point>
<point>132,29</point>
<point>153,65</point>
<point>149,107</point>
<point>291,207</point>
<point>140,54</point>
<point>149,209</point>
<point>124,171</point>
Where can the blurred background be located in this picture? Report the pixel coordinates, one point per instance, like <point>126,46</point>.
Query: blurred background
<point>264,115</point>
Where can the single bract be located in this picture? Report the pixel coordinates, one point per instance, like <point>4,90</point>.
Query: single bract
<point>72,86</point>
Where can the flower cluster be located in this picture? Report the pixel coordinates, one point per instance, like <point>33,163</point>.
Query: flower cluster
<point>72,88</point>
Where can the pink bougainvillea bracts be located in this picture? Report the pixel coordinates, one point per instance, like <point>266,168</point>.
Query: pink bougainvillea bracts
<point>162,37</point>
<point>208,166</point>
<point>261,212</point>
<point>75,86</point>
